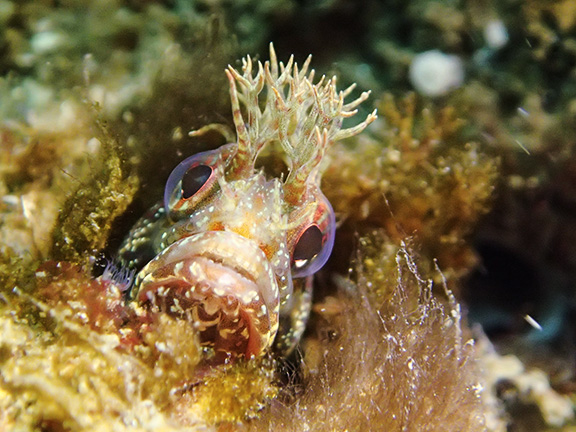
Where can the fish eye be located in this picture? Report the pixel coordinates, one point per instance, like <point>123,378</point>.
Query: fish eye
<point>308,246</point>
<point>314,241</point>
<point>192,181</point>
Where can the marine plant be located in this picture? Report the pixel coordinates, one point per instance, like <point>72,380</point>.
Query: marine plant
<point>415,174</point>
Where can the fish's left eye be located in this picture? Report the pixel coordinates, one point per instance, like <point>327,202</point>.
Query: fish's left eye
<point>309,245</point>
<point>314,240</point>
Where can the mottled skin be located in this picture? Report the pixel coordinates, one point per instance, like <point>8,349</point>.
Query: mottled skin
<point>231,250</point>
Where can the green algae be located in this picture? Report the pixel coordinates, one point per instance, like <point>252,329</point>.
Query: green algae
<point>237,393</point>
<point>16,272</point>
<point>86,217</point>
<point>416,175</point>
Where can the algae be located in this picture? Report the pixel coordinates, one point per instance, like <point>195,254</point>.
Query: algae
<point>408,356</point>
<point>85,219</point>
<point>416,174</point>
<point>62,339</point>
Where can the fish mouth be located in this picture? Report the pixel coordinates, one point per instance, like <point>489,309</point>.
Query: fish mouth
<point>222,283</point>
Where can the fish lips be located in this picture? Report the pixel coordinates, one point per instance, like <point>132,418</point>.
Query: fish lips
<point>222,283</point>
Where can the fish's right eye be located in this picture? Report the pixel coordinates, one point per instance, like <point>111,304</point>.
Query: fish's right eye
<point>193,181</point>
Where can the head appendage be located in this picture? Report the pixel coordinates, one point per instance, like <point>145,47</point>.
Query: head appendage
<point>304,117</point>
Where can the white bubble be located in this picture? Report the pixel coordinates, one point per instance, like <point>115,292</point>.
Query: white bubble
<point>434,73</point>
<point>495,34</point>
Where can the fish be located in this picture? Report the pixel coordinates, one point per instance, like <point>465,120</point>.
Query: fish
<point>230,248</point>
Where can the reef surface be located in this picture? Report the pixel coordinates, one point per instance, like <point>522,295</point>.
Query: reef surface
<point>455,214</point>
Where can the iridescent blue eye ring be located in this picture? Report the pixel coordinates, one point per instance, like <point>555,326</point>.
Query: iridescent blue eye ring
<point>191,177</point>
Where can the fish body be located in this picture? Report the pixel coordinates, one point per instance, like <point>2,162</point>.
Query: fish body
<point>231,250</point>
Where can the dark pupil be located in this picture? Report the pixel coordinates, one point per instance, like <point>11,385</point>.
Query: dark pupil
<point>194,179</point>
<point>309,244</point>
